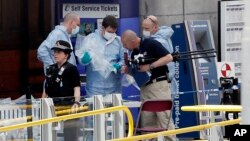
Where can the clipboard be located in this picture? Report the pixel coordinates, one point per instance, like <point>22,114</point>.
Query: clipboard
<point>141,78</point>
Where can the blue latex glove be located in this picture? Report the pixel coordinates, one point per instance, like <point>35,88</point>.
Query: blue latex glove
<point>86,59</point>
<point>117,67</point>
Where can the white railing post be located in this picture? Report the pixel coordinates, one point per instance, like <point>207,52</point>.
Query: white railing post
<point>99,120</point>
<point>119,119</point>
<point>47,111</point>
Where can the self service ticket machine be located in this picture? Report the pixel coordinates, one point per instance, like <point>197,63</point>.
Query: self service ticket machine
<point>196,77</point>
<point>92,12</point>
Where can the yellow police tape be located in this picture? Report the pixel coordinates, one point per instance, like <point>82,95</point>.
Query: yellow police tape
<point>75,116</point>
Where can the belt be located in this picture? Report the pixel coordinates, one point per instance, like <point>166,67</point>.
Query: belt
<point>161,78</point>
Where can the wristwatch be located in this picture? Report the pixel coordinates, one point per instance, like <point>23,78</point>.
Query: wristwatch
<point>151,66</point>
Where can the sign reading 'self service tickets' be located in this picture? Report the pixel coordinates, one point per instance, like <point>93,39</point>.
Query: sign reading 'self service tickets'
<point>92,10</point>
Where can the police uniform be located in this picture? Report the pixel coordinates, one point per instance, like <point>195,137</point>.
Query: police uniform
<point>60,84</point>
<point>62,80</point>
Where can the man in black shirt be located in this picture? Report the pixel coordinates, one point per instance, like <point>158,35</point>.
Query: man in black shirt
<point>63,85</point>
<point>158,86</point>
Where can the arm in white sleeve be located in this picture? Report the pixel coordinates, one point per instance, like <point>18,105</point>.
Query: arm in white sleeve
<point>44,53</point>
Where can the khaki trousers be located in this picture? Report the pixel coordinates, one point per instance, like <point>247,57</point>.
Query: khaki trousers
<point>157,90</point>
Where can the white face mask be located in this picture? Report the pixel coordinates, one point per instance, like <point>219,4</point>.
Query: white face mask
<point>75,30</point>
<point>146,34</point>
<point>108,36</point>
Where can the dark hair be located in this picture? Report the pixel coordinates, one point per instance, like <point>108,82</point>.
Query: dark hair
<point>110,21</point>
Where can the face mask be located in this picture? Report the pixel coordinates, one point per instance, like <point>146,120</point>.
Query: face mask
<point>75,30</point>
<point>146,34</point>
<point>108,36</point>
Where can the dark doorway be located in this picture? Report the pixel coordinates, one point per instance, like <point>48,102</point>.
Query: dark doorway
<point>23,26</point>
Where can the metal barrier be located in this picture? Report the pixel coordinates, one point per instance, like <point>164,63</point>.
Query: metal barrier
<point>179,131</point>
<point>62,111</point>
<point>11,112</point>
<point>75,116</point>
<point>45,109</point>
<point>196,108</point>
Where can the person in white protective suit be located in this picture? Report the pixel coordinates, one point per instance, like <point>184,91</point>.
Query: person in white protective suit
<point>103,55</point>
<point>70,26</point>
<point>162,34</point>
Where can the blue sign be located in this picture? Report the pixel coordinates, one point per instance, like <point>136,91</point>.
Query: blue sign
<point>184,76</point>
<point>196,78</point>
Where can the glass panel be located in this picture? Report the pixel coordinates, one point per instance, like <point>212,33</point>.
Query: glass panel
<point>18,111</point>
<point>109,117</point>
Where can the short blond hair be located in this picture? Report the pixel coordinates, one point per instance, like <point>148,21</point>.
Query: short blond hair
<point>71,16</point>
<point>153,19</point>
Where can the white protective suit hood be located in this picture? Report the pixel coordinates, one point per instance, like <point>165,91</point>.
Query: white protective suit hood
<point>164,32</point>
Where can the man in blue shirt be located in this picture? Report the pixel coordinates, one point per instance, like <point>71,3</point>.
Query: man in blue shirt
<point>157,87</point>
<point>63,32</point>
<point>102,54</point>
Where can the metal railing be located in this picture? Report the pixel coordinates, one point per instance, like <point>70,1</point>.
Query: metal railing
<point>178,131</point>
<point>62,111</point>
<point>75,116</point>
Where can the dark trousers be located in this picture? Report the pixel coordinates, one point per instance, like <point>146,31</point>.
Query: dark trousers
<point>71,130</point>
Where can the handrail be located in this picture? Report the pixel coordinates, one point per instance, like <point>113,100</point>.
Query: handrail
<point>212,108</point>
<point>61,112</point>
<point>75,116</point>
<point>178,131</point>
<point>30,106</point>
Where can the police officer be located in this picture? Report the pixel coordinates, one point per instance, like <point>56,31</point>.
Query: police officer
<point>63,81</point>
